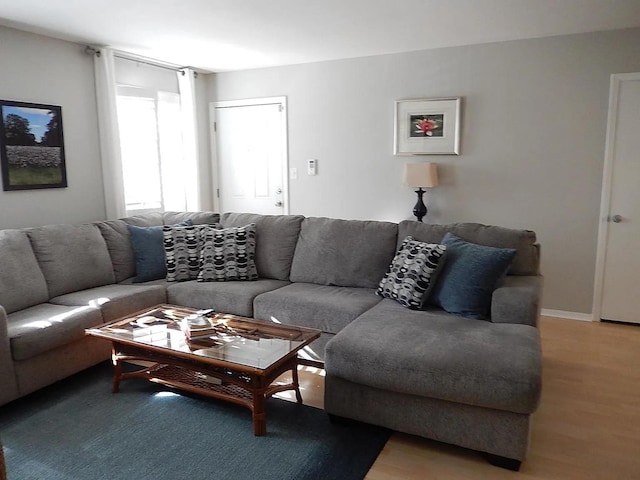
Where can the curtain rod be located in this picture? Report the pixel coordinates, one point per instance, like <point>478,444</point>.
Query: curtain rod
<point>132,58</point>
<point>147,62</point>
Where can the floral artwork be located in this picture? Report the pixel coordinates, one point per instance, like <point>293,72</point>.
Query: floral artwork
<point>31,146</point>
<point>427,126</point>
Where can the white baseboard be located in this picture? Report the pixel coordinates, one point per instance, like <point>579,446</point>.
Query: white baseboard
<point>583,317</point>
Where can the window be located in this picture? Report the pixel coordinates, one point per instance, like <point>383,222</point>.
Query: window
<point>151,147</point>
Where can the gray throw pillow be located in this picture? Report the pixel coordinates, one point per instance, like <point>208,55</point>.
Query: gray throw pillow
<point>228,254</point>
<point>182,252</point>
<point>412,273</point>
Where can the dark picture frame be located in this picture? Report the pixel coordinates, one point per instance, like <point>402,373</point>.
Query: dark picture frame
<point>31,146</point>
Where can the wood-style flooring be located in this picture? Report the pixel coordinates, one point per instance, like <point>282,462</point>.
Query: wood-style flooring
<point>586,428</point>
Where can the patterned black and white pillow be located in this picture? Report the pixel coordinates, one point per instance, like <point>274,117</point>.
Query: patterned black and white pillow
<point>182,252</point>
<point>412,273</point>
<point>228,254</point>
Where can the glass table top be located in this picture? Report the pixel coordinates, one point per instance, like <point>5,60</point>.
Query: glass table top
<point>210,335</point>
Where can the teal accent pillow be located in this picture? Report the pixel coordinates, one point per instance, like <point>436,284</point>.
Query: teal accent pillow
<point>469,277</point>
<point>148,249</point>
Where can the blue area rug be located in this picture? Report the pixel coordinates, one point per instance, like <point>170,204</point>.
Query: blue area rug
<point>78,430</point>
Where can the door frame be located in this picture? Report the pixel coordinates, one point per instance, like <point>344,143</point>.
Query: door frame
<point>607,187</point>
<point>215,164</point>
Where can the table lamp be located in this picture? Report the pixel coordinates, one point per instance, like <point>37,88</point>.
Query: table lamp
<point>420,175</point>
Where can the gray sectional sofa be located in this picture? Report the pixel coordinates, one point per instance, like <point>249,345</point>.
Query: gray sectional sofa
<point>468,382</point>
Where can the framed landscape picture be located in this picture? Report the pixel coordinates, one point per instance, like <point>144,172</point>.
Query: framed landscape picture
<point>427,126</point>
<point>31,146</point>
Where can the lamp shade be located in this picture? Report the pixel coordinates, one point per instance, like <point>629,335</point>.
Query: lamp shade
<point>418,175</point>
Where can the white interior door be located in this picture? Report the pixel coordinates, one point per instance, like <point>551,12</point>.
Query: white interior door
<point>621,217</point>
<point>251,156</point>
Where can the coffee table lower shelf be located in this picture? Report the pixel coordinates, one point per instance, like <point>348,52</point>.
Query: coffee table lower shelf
<point>192,381</point>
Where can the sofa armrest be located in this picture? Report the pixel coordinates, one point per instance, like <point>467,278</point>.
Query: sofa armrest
<point>517,300</point>
<point>9,389</point>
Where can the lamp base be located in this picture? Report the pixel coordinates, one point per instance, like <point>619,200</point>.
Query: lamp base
<point>420,209</point>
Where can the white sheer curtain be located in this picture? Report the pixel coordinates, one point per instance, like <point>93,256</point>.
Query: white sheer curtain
<point>109,134</point>
<point>186,85</point>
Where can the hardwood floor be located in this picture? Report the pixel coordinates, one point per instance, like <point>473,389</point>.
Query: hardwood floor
<point>587,426</point>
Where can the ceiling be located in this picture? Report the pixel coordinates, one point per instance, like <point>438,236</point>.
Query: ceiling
<point>223,35</point>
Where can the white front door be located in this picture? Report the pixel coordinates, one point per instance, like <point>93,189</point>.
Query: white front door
<point>251,155</point>
<point>620,232</point>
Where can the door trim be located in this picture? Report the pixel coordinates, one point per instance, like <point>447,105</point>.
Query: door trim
<point>605,199</point>
<point>285,142</point>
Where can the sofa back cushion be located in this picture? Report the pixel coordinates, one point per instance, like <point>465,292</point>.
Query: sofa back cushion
<point>526,261</point>
<point>22,283</point>
<point>197,218</point>
<point>276,238</point>
<point>346,253</point>
<point>116,235</point>
<point>72,257</point>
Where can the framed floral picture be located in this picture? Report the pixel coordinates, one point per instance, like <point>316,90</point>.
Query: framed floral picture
<point>31,146</point>
<point>427,126</point>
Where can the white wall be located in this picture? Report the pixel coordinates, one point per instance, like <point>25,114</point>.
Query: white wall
<point>39,69</point>
<point>533,130</point>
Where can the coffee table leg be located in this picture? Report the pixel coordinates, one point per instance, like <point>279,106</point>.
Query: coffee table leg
<point>259,415</point>
<point>117,373</point>
<point>296,383</point>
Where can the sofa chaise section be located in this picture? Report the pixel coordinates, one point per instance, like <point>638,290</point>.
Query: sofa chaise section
<point>473,383</point>
<point>461,381</point>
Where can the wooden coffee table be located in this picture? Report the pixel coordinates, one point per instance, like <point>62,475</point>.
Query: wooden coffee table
<point>218,355</point>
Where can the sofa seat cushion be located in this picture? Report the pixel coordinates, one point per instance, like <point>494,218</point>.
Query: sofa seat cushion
<point>115,300</point>
<point>72,257</point>
<point>228,297</point>
<point>276,238</point>
<point>22,283</point>
<point>438,355</point>
<point>345,253</point>
<point>324,307</point>
<point>46,326</point>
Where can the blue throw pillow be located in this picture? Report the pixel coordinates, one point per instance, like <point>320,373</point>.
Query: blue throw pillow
<point>148,250</point>
<point>469,277</point>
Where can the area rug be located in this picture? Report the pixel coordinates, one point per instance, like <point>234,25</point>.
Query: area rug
<point>78,430</point>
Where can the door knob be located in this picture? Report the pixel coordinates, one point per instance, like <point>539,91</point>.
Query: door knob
<point>278,204</point>
<point>616,219</point>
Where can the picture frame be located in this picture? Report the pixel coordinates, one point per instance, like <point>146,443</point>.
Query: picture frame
<point>31,146</point>
<point>427,126</point>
